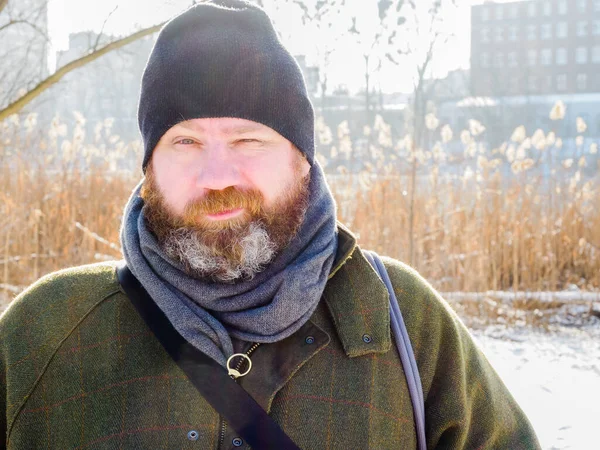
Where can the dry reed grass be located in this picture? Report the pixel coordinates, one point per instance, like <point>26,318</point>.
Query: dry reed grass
<point>502,240</point>
<point>61,204</point>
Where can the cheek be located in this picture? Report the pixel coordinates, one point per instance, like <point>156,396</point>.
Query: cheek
<point>172,182</point>
<point>274,176</point>
<point>304,167</point>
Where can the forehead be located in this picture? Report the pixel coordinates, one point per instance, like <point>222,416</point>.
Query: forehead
<point>223,125</point>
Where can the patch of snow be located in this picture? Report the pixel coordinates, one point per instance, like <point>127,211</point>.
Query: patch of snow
<point>572,295</point>
<point>554,376</point>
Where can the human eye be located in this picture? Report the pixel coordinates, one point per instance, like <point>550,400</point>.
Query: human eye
<point>185,141</point>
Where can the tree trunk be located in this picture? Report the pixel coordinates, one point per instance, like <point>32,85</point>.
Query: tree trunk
<point>323,94</point>
<point>367,92</point>
<point>411,211</point>
<point>417,130</point>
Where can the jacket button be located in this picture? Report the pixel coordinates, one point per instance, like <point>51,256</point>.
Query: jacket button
<point>367,339</point>
<point>237,442</point>
<point>309,339</point>
<point>193,435</point>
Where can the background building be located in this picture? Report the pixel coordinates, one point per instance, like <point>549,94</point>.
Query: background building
<point>525,56</point>
<point>535,47</point>
<point>106,88</point>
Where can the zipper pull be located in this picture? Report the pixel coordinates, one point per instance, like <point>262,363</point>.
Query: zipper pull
<point>234,373</point>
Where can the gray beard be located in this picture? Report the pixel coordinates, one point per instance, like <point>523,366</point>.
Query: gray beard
<point>258,249</point>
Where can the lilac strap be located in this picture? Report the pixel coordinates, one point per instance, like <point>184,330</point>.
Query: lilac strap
<point>407,356</point>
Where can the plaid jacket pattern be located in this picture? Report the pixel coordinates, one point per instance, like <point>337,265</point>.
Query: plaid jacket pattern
<point>79,369</point>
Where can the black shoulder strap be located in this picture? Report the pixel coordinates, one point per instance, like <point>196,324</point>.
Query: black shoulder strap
<point>227,397</point>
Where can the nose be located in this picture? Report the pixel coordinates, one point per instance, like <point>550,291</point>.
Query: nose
<point>219,169</point>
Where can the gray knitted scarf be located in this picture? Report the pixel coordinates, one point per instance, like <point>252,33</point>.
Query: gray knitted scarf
<point>268,308</point>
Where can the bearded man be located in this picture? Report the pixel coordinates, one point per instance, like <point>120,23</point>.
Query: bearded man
<point>235,269</point>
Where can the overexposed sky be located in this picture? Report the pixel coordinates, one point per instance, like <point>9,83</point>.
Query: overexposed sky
<point>346,62</point>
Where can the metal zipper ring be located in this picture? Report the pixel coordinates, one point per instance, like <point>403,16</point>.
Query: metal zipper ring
<point>233,372</point>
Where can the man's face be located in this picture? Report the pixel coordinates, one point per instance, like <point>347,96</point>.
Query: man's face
<point>224,195</point>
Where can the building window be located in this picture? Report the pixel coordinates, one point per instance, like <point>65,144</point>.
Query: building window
<point>547,8</point>
<point>532,57</point>
<point>485,34</point>
<point>546,57</point>
<point>562,6</point>
<point>546,31</point>
<point>561,82</point>
<point>532,83</point>
<point>514,11</point>
<point>581,81</point>
<point>531,32</point>
<point>581,55</point>
<point>562,29</point>
<point>513,33</point>
<point>531,9</point>
<point>597,5</point>
<point>561,56</point>
<point>596,28</point>
<point>512,59</point>
<point>596,54</point>
<point>582,28</point>
<point>499,59</point>
<point>499,34</point>
<point>485,60</point>
<point>499,12</point>
<point>582,6</point>
<point>485,14</point>
<point>547,82</point>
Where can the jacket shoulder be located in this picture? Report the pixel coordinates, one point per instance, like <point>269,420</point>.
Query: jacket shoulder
<point>414,293</point>
<point>74,288</point>
<point>39,320</point>
<point>467,404</point>
<point>432,324</point>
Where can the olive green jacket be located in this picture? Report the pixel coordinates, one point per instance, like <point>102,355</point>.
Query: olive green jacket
<point>79,369</point>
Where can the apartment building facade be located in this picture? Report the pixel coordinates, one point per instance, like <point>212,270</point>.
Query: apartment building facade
<point>535,47</point>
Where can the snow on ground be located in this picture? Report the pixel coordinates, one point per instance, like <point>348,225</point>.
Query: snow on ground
<point>573,295</point>
<point>555,377</point>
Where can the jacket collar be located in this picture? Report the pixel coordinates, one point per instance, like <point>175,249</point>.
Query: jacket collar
<point>357,300</point>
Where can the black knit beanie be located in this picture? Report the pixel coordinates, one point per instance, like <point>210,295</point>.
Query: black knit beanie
<point>222,58</point>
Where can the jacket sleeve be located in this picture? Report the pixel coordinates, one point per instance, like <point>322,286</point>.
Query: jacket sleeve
<point>467,406</point>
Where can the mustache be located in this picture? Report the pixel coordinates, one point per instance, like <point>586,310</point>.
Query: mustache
<point>223,200</point>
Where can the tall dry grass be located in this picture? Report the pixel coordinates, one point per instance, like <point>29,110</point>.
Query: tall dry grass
<point>61,203</point>
<point>61,200</point>
<point>502,240</point>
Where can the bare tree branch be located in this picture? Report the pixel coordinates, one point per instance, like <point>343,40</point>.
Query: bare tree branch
<point>26,22</point>
<point>17,105</point>
<point>17,79</point>
<point>95,47</point>
<point>10,23</point>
